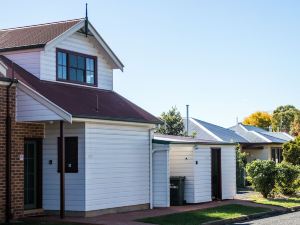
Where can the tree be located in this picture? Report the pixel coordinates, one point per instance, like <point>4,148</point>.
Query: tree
<point>259,119</point>
<point>295,131</point>
<point>262,174</point>
<point>283,117</point>
<point>173,123</point>
<point>291,151</point>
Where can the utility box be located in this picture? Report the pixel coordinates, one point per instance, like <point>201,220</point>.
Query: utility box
<point>177,190</point>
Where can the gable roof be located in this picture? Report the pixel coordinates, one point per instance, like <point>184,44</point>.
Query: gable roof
<point>83,102</point>
<point>36,36</point>
<point>259,135</point>
<point>43,35</point>
<point>222,133</point>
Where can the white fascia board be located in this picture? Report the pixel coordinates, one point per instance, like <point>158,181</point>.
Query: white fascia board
<point>261,136</point>
<point>105,46</point>
<point>205,129</point>
<point>44,101</point>
<point>113,122</point>
<point>97,36</point>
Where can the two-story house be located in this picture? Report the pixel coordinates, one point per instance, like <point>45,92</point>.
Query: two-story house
<point>73,145</point>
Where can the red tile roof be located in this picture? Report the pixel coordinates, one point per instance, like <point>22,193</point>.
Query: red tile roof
<point>35,36</point>
<point>81,102</point>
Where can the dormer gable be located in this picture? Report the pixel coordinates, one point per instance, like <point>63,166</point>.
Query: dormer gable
<point>35,49</point>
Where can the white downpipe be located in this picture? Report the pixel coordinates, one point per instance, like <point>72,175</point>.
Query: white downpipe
<point>151,172</point>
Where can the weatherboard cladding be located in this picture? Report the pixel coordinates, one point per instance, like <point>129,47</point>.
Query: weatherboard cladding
<point>36,36</point>
<point>223,133</point>
<point>83,102</point>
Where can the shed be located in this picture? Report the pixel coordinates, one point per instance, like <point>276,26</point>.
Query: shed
<point>209,169</point>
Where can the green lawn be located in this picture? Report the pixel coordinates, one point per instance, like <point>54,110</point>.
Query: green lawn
<point>287,203</point>
<point>206,215</point>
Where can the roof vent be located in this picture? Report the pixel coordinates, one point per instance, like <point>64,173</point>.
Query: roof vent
<point>3,69</point>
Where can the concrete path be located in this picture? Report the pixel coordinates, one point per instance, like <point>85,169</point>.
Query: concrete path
<point>285,219</point>
<point>130,217</point>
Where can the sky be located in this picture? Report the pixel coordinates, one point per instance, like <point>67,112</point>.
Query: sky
<point>224,58</point>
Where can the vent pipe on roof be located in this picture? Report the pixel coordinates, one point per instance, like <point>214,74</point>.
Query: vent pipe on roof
<point>187,119</point>
<point>86,20</point>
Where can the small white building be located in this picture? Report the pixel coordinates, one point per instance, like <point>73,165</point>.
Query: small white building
<point>209,168</point>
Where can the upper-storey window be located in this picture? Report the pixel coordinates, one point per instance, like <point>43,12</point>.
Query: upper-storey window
<point>76,67</point>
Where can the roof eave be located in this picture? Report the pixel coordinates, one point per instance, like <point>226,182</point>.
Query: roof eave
<point>22,48</point>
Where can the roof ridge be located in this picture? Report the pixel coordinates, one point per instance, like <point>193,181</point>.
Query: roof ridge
<point>41,24</point>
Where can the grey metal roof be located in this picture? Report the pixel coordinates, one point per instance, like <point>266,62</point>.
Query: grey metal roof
<point>172,139</point>
<point>258,135</point>
<point>225,134</point>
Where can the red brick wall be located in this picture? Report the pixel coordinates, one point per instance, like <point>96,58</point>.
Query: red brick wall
<point>20,131</point>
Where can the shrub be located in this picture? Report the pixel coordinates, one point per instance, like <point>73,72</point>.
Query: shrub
<point>261,174</point>
<point>291,152</point>
<point>287,178</point>
<point>241,159</point>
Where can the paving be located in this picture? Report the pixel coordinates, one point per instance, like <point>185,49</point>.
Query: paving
<point>285,219</point>
<point>129,218</point>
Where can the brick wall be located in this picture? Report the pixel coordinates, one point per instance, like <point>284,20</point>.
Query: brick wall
<point>20,131</point>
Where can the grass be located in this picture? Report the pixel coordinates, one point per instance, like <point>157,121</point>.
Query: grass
<point>206,215</point>
<point>286,203</point>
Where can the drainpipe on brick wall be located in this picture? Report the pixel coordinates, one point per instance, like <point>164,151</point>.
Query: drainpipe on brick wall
<point>8,156</point>
<point>8,151</point>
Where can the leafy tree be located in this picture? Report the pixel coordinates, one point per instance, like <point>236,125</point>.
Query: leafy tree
<point>173,123</point>
<point>291,151</point>
<point>295,131</point>
<point>261,174</point>
<point>259,119</point>
<point>287,178</point>
<point>283,117</point>
<point>241,160</point>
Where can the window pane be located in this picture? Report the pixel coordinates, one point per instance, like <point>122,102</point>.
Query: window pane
<point>80,61</point>
<point>62,72</point>
<point>72,74</point>
<point>90,77</point>
<point>62,58</point>
<point>90,64</point>
<point>73,60</point>
<point>80,74</point>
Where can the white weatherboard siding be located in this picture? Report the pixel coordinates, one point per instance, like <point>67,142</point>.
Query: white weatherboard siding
<point>29,60</point>
<point>262,154</point>
<point>161,175</point>
<point>182,164</point>
<point>117,166</point>
<point>228,166</point>
<point>202,174</point>
<point>77,43</point>
<point>74,182</point>
<point>29,109</point>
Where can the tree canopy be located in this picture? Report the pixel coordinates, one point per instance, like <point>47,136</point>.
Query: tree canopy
<point>173,122</point>
<point>283,118</point>
<point>295,130</point>
<point>259,119</point>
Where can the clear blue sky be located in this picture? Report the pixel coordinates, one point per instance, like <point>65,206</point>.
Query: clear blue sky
<point>223,58</point>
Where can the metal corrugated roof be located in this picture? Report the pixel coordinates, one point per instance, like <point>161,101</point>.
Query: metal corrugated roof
<point>225,134</point>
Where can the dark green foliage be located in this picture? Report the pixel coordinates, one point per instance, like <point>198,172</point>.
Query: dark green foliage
<point>291,152</point>
<point>173,123</point>
<point>283,118</point>
<point>261,174</point>
<point>287,178</point>
<point>241,160</point>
